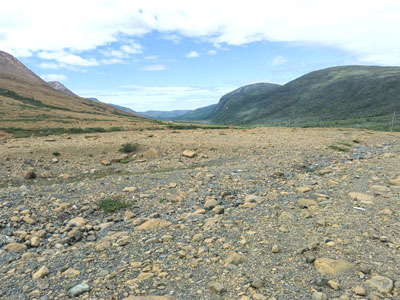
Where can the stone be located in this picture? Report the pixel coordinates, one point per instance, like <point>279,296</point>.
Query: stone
<point>153,223</point>
<point>257,283</point>
<point>129,189</point>
<point>35,241</point>
<point>248,205</point>
<point>381,284</point>
<point>358,290</point>
<point>46,174</point>
<point>303,203</point>
<point>395,181</point>
<point>28,174</point>
<point>189,154</point>
<point>234,259</point>
<point>332,267</point>
<point>27,219</point>
<point>216,287</point>
<point>103,245</point>
<point>149,298</point>
<point>251,198</point>
<point>106,162</point>
<point>334,285</point>
<point>363,198</point>
<point>71,273</point>
<point>16,247</point>
<point>210,204</point>
<point>78,221</point>
<point>119,158</point>
<point>303,189</point>
<point>257,296</point>
<point>218,210</point>
<point>275,249</point>
<point>79,289</point>
<point>319,296</point>
<point>151,154</point>
<point>29,255</point>
<point>198,237</point>
<point>42,272</point>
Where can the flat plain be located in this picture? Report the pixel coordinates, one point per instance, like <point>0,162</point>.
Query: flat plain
<point>263,213</point>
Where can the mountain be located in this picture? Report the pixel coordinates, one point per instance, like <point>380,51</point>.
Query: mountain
<point>126,109</point>
<point>163,115</point>
<point>339,96</point>
<point>12,69</point>
<point>199,114</point>
<point>28,102</point>
<point>61,88</point>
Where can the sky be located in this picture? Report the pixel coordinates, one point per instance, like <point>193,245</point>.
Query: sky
<point>167,55</point>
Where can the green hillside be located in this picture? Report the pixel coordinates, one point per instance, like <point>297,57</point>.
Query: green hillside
<point>339,96</point>
<point>200,114</point>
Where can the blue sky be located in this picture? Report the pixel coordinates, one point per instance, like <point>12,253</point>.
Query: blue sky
<point>149,55</point>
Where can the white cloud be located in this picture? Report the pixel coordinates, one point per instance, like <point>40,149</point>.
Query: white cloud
<point>156,67</point>
<point>365,28</point>
<point>212,52</point>
<point>151,57</point>
<point>132,48</point>
<point>50,65</point>
<point>142,98</point>
<point>68,58</point>
<point>279,60</point>
<point>54,77</point>
<point>193,54</point>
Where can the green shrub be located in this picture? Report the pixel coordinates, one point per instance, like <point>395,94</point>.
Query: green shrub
<point>56,153</point>
<point>129,147</point>
<point>109,205</point>
<point>339,148</point>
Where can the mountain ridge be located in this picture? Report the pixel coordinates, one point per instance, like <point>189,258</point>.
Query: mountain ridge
<point>336,96</point>
<point>61,88</point>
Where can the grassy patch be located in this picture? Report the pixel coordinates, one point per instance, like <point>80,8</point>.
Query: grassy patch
<point>191,127</point>
<point>27,132</point>
<point>56,153</point>
<point>339,148</point>
<point>29,101</point>
<point>129,148</point>
<point>127,160</point>
<point>109,205</point>
<point>345,144</point>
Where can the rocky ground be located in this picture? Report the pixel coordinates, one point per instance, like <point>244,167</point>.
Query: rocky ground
<point>267,213</point>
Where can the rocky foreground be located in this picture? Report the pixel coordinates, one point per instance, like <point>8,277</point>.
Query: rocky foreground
<point>267,213</point>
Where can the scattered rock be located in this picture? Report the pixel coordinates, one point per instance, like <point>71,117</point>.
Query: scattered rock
<point>304,189</point>
<point>235,259</point>
<point>78,221</point>
<point>304,203</point>
<point>28,174</point>
<point>275,249</point>
<point>130,189</point>
<point>319,296</point>
<point>16,247</point>
<point>358,290</point>
<point>42,272</point>
<point>153,223</point>
<point>381,284</point>
<point>395,181</point>
<point>216,287</point>
<point>46,174</point>
<point>106,162</point>
<point>78,290</point>
<point>189,154</point>
<point>332,267</point>
<point>363,198</point>
<point>151,154</point>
